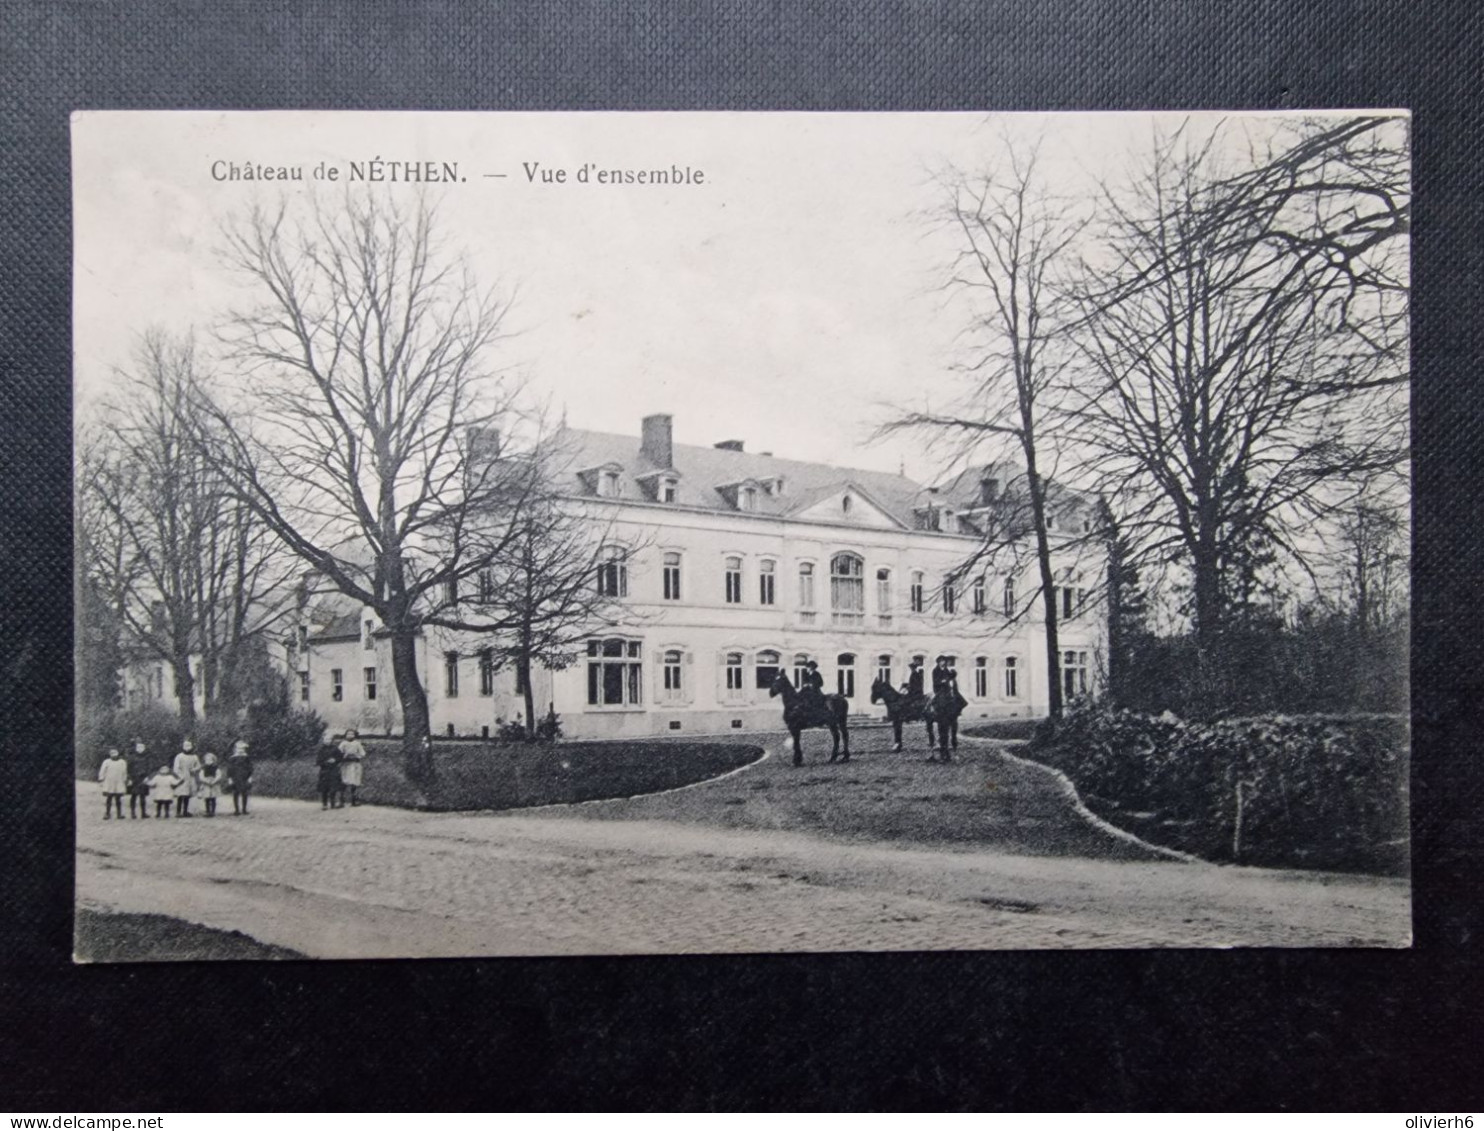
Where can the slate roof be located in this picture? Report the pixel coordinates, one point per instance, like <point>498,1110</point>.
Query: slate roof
<point>705,473</point>
<point>703,470</point>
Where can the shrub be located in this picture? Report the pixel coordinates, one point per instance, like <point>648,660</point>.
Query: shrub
<point>549,728</point>
<point>1316,790</point>
<point>269,733</point>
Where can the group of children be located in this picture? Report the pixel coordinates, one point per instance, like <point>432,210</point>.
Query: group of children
<point>340,769</point>
<point>174,784</point>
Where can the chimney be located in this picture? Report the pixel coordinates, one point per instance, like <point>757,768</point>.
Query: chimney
<point>989,490</point>
<point>730,445</point>
<point>657,444</point>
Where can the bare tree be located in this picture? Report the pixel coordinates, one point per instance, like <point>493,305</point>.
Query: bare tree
<point>370,434</point>
<point>1373,566</point>
<point>1012,238</point>
<point>1246,335</point>
<point>548,588</point>
<point>186,571</point>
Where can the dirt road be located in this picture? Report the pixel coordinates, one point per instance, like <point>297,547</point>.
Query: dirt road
<point>373,883</point>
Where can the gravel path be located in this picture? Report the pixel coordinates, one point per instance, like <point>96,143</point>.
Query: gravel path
<point>372,883</point>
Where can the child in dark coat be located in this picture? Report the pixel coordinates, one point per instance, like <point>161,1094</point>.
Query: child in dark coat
<point>328,761</point>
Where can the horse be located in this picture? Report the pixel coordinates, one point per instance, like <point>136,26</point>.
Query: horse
<point>944,708</point>
<point>799,714</point>
<point>900,708</point>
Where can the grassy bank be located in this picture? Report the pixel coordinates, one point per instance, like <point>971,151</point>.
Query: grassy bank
<point>115,937</point>
<point>476,775</point>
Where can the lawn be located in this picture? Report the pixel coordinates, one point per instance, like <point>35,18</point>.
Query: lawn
<point>982,799</point>
<point>478,775</point>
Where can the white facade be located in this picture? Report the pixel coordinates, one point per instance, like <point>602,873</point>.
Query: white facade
<point>728,566</point>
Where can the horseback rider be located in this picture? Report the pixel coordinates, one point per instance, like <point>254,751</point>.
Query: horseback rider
<point>942,673</point>
<point>945,685</point>
<point>811,686</point>
<point>914,690</point>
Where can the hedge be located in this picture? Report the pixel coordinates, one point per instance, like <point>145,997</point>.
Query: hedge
<point>1318,791</point>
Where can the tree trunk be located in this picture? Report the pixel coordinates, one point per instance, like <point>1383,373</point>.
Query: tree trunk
<point>1053,645</point>
<point>523,667</point>
<point>1210,679</point>
<point>185,688</point>
<point>417,751</point>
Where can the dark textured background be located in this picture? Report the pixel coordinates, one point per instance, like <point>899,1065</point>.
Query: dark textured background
<point>1305,1029</point>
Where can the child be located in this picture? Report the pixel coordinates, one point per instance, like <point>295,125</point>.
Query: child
<point>188,769</point>
<point>239,777</point>
<point>352,754</point>
<point>113,774</point>
<point>139,781</point>
<point>211,782</point>
<point>162,784</point>
<point>328,761</point>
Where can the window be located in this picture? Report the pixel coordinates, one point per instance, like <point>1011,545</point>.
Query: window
<point>1009,596</point>
<point>368,635</point>
<point>337,684</point>
<point>304,687</point>
<point>520,680</point>
<point>1074,673</point>
<point>486,586</point>
<point>952,663</point>
<point>669,490</point>
<point>847,589</point>
<point>303,636</point>
<point>950,598</point>
<point>1073,598</point>
<point>734,672</point>
<point>608,485</point>
<point>673,675</point>
<point>883,667</point>
<point>766,591</point>
<point>845,504</point>
<point>768,668</point>
<point>747,499</point>
<point>845,674</point>
<point>451,592</point>
<point>613,572</point>
<point>981,678</point>
<point>672,577</point>
<point>487,672</point>
<point>1012,677</point>
<point>915,593</point>
<point>369,675</point>
<point>615,673</point>
<point>883,592</point>
<point>734,580</point>
<point>801,668</point>
<point>451,675</point>
<point>806,585</point>
<point>979,601</point>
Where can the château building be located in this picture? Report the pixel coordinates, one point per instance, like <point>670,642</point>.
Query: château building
<point>741,564</point>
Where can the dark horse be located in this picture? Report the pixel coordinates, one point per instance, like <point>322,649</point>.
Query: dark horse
<point>901,708</point>
<point>800,714</point>
<point>940,711</point>
<point>945,708</point>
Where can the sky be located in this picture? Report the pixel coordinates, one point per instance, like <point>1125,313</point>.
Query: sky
<point>789,300</point>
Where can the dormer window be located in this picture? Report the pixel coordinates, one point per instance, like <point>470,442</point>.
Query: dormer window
<point>747,499</point>
<point>669,490</point>
<point>608,484</point>
<point>774,485</point>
